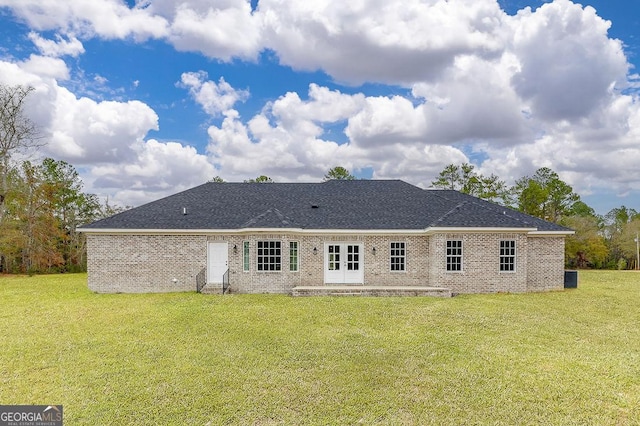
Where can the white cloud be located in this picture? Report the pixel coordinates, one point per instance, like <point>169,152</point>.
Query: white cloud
<point>284,151</point>
<point>287,140</point>
<point>100,131</point>
<point>106,140</point>
<point>59,47</point>
<point>45,66</point>
<point>223,31</point>
<point>386,121</point>
<point>157,169</point>
<point>382,41</point>
<point>215,98</point>
<point>105,18</point>
<point>568,65</point>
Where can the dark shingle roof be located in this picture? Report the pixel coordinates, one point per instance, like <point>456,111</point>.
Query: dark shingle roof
<point>336,204</point>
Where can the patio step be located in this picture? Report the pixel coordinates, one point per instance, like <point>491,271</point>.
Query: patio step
<point>346,290</point>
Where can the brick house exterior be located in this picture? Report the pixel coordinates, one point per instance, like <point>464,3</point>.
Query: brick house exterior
<point>274,238</point>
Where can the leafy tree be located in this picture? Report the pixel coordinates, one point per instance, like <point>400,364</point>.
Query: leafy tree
<point>260,179</point>
<point>620,227</point>
<point>338,173</point>
<point>494,189</point>
<point>71,208</point>
<point>463,178</point>
<point>217,179</point>
<point>617,218</point>
<point>45,205</point>
<point>627,244</point>
<point>449,178</point>
<point>580,208</point>
<point>545,195</point>
<point>587,247</point>
<point>32,209</point>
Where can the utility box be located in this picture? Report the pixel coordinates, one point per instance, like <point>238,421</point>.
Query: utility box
<point>570,279</point>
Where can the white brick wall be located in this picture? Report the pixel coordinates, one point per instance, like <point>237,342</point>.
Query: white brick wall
<point>150,263</point>
<point>480,263</point>
<point>546,263</point>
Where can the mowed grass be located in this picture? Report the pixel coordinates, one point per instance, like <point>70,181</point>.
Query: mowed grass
<point>558,358</point>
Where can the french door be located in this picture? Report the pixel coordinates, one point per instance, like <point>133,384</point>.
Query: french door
<point>343,263</point>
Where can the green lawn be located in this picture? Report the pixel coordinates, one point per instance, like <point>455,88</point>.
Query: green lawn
<point>569,357</point>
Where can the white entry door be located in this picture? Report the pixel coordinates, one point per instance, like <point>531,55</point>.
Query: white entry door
<point>217,262</point>
<point>343,263</point>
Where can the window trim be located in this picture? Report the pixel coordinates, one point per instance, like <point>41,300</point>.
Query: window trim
<point>272,261</point>
<point>294,253</point>
<point>503,258</point>
<point>450,257</point>
<point>401,257</point>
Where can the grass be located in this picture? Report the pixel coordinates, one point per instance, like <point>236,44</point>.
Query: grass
<point>569,357</point>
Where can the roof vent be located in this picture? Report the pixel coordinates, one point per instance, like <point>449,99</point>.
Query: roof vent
<point>314,206</point>
<point>184,211</point>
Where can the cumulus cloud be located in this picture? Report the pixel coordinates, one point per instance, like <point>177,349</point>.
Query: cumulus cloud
<point>568,65</point>
<point>222,30</point>
<point>106,18</point>
<point>287,140</point>
<point>45,66</point>
<point>87,131</point>
<point>58,47</point>
<point>157,169</point>
<point>106,141</point>
<point>383,41</point>
<point>215,98</point>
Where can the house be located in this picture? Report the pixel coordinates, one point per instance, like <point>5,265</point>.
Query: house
<point>358,236</point>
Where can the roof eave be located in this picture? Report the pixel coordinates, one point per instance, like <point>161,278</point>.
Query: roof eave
<point>121,231</point>
<point>480,229</point>
<point>551,233</point>
<point>427,231</point>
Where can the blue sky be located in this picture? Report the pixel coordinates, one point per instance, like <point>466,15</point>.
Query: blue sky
<point>152,97</point>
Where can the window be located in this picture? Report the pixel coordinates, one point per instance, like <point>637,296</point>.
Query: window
<point>397,256</point>
<point>269,256</point>
<point>353,257</point>
<point>507,256</point>
<point>454,255</point>
<point>245,256</point>
<point>334,257</point>
<point>293,256</point>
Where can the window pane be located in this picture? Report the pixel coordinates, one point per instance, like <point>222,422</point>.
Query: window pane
<point>245,255</point>
<point>507,256</point>
<point>268,256</point>
<point>397,259</point>
<point>293,256</point>
<point>454,255</point>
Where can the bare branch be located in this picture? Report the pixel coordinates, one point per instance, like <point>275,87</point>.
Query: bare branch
<point>17,132</point>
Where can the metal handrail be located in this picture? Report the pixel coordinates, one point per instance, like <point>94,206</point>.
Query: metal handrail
<point>201,280</point>
<point>225,282</point>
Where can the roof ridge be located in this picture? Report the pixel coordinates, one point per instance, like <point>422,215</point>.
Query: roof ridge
<point>449,212</point>
<point>281,216</point>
